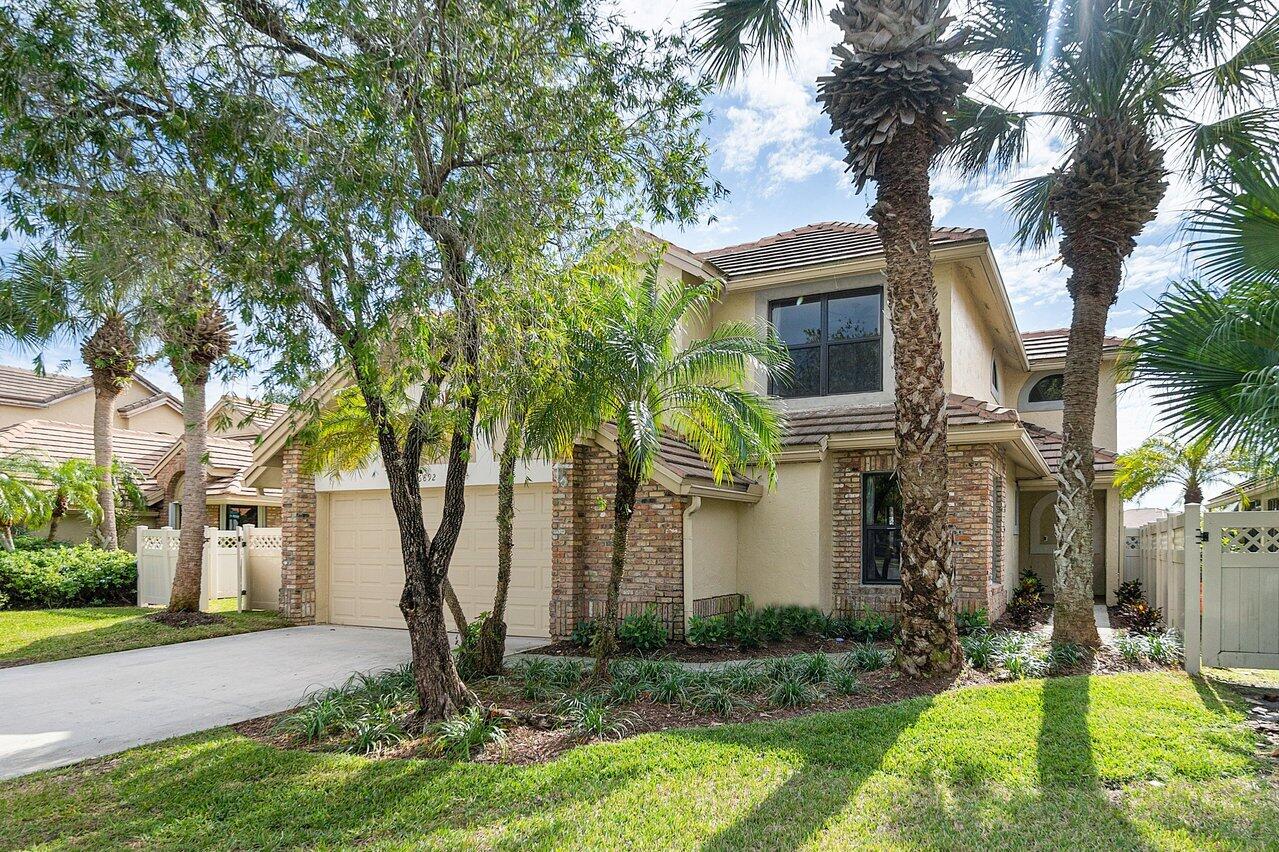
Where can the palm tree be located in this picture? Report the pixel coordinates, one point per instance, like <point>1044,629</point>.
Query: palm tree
<point>195,335</point>
<point>22,505</point>
<point>888,98</point>
<point>634,374</point>
<point>1161,460</point>
<point>90,295</point>
<point>1210,351</point>
<point>1125,82</point>
<point>73,486</point>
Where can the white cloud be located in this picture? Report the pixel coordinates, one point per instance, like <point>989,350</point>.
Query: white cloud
<point>941,206</point>
<point>1037,277</point>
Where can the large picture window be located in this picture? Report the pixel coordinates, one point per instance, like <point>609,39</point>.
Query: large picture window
<point>835,343</point>
<point>881,529</point>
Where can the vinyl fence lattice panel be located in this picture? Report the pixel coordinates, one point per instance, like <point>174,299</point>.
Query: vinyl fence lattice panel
<point>1241,589</point>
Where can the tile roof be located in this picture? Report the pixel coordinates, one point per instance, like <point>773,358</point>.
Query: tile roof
<point>252,412</point>
<point>809,427</point>
<point>1050,344</point>
<point>53,441</point>
<point>1049,444</point>
<point>684,461</point>
<point>811,245</point>
<point>225,454</point>
<point>146,402</point>
<point>26,387</point>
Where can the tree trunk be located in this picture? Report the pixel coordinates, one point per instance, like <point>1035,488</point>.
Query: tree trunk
<point>928,640</point>
<point>55,516</point>
<point>185,596</point>
<point>6,539</point>
<point>455,607</point>
<point>1094,281</point>
<point>492,645</point>
<point>105,395</point>
<point>1194,492</point>
<point>623,511</point>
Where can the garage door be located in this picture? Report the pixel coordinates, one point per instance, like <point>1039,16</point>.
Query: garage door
<point>367,574</point>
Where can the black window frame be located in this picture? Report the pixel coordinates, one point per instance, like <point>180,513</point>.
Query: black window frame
<point>1272,504</point>
<point>825,343</point>
<point>868,527</point>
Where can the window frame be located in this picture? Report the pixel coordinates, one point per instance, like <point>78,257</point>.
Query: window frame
<point>1024,403</point>
<point>824,344</point>
<point>866,527</point>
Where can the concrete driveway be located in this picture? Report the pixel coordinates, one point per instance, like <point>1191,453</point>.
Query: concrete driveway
<point>54,714</point>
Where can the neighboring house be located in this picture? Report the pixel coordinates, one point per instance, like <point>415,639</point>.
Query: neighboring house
<point>1137,518</point>
<point>825,536</point>
<point>50,417</point>
<point>27,395</point>
<point>1253,494</point>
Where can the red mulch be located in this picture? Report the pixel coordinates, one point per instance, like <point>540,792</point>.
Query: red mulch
<point>713,653</point>
<point>186,619</point>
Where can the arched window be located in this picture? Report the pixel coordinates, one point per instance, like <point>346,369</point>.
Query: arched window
<point>1048,389</point>
<point>1042,393</point>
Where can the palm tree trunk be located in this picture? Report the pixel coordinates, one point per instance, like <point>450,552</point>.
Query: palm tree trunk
<point>623,511</point>
<point>6,539</point>
<point>1098,275</point>
<point>59,509</point>
<point>185,596</point>
<point>1194,492</point>
<point>929,643</point>
<point>104,403</point>
<point>492,643</point>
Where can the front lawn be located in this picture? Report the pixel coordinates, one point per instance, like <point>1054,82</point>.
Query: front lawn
<point>41,635</point>
<point>1121,761</point>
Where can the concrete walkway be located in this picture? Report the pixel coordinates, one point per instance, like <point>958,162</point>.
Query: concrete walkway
<point>54,714</point>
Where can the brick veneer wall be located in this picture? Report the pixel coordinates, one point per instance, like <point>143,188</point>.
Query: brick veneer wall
<point>582,544</point>
<point>272,516</point>
<point>972,473</point>
<point>297,540</point>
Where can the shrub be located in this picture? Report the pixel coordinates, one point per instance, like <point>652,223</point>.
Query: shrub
<point>868,658</point>
<point>583,635</point>
<point>1163,648</point>
<point>707,631</point>
<point>1143,618</point>
<point>844,682</point>
<point>771,624</point>
<point>1027,600</point>
<point>467,653</point>
<point>1063,656</point>
<point>979,650</point>
<point>969,623</point>
<point>792,692</point>
<point>37,542</point>
<point>1016,654</point>
<point>814,668</point>
<point>462,735</point>
<point>871,626</point>
<point>642,631</point>
<point>714,698</point>
<point>746,630</point>
<point>803,620</point>
<point>1129,592</point>
<point>68,576</point>
<point>593,713</point>
<point>743,678</point>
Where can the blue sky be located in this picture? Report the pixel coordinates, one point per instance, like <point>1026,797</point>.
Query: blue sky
<point>772,149</point>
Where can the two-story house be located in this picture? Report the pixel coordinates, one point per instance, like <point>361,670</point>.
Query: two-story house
<point>826,535</point>
<point>49,417</point>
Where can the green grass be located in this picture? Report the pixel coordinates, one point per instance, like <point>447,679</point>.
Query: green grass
<point>41,635</point>
<point>1125,761</point>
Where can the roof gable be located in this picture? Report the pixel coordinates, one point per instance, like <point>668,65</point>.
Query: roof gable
<point>1049,345</point>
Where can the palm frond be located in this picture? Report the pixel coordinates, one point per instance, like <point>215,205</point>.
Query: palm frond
<point>732,34</point>
<point>1236,238</point>
<point>988,138</point>
<point>1028,203</point>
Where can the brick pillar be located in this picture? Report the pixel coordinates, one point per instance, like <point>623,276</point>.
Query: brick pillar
<point>297,557</point>
<point>567,587</point>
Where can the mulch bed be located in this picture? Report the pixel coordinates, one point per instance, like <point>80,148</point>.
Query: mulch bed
<point>683,653</point>
<point>186,619</point>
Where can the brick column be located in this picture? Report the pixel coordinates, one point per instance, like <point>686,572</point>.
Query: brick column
<point>297,557</point>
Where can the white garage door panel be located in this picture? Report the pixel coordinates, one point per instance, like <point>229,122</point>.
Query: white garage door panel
<point>367,574</point>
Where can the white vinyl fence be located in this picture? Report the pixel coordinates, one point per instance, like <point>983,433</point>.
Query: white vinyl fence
<point>1215,576</point>
<point>242,564</point>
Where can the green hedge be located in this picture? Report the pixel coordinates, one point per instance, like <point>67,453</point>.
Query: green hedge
<point>82,575</point>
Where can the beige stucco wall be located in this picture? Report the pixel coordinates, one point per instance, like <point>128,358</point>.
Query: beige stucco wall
<point>79,409</point>
<point>783,552</point>
<point>1106,428</point>
<point>969,344</point>
<point>710,549</point>
<point>1108,538</point>
<point>162,418</point>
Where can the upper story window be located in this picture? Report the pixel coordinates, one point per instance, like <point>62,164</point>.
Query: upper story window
<point>994,376</point>
<point>1043,393</point>
<point>835,342</point>
<point>1048,389</point>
